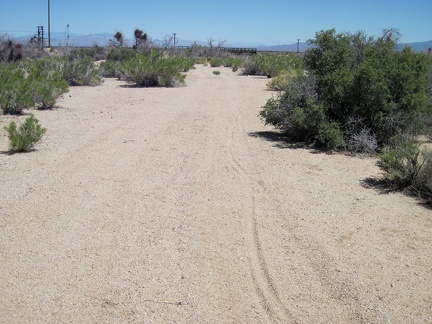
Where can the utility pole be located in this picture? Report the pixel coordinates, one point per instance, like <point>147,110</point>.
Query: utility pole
<point>67,35</point>
<point>49,24</point>
<point>298,45</point>
<point>40,36</point>
<point>175,40</point>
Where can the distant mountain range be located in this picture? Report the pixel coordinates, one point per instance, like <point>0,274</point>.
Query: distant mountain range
<point>102,39</point>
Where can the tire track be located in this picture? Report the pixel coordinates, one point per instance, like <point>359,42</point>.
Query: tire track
<point>264,285</point>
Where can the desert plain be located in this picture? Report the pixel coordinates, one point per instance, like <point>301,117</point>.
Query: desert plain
<point>177,205</point>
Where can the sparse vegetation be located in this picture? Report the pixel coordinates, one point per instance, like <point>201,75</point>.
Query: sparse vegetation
<point>271,65</point>
<point>26,136</point>
<point>407,166</point>
<point>29,83</point>
<point>216,72</point>
<point>77,71</point>
<point>155,69</point>
<point>280,82</point>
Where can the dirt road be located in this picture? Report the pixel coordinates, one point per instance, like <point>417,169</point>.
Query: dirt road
<point>179,206</point>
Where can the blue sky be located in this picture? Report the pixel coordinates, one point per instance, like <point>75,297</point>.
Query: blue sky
<point>257,22</point>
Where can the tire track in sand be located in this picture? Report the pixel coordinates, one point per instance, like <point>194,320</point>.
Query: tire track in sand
<point>264,285</point>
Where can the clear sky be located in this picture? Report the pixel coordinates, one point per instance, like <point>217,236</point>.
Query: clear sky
<point>268,22</point>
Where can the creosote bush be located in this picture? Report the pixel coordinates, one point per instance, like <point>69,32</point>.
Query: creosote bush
<point>280,82</point>
<point>30,83</point>
<point>155,69</point>
<point>352,77</point>
<point>26,136</point>
<point>408,166</point>
<point>271,65</point>
<point>77,70</point>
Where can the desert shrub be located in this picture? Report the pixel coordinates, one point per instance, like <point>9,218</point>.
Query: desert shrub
<point>121,54</point>
<point>423,182</point>
<point>407,166</point>
<point>201,60</point>
<point>47,84</point>
<point>96,53</point>
<point>297,113</point>
<point>15,90</point>
<point>216,61</point>
<point>366,78</point>
<point>360,138</point>
<point>355,78</point>
<point>46,92</point>
<point>233,62</point>
<point>110,69</point>
<point>216,72</point>
<point>26,136</point>
<point>294,111</point>
<point>281,81</point>
<point>330,136</point>
<point>77,71</point>
<point>271,64</point>
<point>155,69</point>
<point>30,83</point>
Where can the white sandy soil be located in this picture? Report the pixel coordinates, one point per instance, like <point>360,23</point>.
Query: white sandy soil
<point>179,206</point>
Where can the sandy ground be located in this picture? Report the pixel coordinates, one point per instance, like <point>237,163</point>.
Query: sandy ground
<point>180,206</point>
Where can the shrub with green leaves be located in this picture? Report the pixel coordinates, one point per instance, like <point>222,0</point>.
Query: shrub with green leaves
<point>408,166</point>
<point>356,78</point>
<point>271,65</point>
<point>121,54</point>
<point>96,53</point>
<point>156,69</point>
<point>26,136</point>
<point>77,71</point>
<point>47,84</point>
<point>15,90</point>
<point>216,61</point>
<point>281,81</point>
<point>30,83</point>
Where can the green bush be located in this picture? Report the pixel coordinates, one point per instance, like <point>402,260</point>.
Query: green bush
<point>77,71</point>
<point>26,136</point>
<point>423,182</point>
<point>110,69</point>
<point>281,81</point>
<point>216,61</point>
<point>155,69</point>
<point>366,90</point>
<point>401,161</point>
<point>359,77</point>
<point>96,53</point>
<point>201,60</point>
<point>408,166</point>
<point>271,65</point>
<point>121,54</point>
<point>297,113</point>
<point>47,84</point>
<point>15,90</point>
<point>30,83</point>
<point>216,72</point>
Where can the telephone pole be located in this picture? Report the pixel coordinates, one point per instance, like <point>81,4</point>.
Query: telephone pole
<point>298,45</point>
<point>49,24</point>
<point>67,35</point>
<point>40,36</point>
<point>174,40</point>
